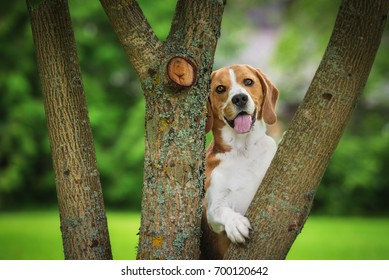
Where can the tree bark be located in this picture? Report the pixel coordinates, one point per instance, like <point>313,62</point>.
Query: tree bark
<point>175,78</point>
<point>283,202</point>
<point>82,214</point>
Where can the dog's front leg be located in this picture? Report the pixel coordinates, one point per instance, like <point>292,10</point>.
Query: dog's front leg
<point>223,218</point>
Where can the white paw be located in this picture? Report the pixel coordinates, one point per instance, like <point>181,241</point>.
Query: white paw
<point>238,228</point>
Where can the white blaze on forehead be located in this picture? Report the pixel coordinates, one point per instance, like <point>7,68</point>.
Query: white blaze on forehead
<point>236,88</point>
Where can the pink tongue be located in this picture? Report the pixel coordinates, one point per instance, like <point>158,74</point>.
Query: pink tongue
<point>242,123</point>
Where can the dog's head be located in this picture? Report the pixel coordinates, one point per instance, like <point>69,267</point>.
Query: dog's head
<point>240,95</point>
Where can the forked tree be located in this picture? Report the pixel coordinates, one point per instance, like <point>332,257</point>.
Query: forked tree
<point>174,75</point>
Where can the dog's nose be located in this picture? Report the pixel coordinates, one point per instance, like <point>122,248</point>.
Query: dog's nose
<point>240,99</point>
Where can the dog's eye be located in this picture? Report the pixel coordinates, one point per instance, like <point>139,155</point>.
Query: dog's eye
<point>220,89</point>
<point>248,82</point>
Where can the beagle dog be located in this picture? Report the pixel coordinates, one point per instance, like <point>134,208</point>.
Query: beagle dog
<point>241,98</point>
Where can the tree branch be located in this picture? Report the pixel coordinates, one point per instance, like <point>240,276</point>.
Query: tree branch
<point>185,32</point>
<point>176,95</point>
<point>83,220</point>
<point>135,34</point>
<point>283,202</point>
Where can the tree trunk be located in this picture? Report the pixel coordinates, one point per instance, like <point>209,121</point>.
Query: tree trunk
<point>283,202</point>
<point>175,78</point>
<point>82,214</point>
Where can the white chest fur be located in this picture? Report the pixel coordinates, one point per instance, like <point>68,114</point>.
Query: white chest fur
<point>235,180</point>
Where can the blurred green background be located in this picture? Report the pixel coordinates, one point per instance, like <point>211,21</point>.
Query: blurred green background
<point>286,38</point>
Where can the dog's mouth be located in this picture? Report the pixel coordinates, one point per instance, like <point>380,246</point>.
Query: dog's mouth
<point>243,122</point>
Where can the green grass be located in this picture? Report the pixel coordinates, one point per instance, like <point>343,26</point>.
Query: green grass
<point>344,238</point>
<point>123,229</point>
<point>36,236</point>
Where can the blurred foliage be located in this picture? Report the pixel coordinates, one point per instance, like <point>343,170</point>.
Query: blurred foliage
<point>355,182</point>
<point>305,35</point>
<point>306,30</point>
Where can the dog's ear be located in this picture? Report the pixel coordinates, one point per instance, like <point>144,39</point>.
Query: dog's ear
<point>209,123</point>
<point>270,99</point>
